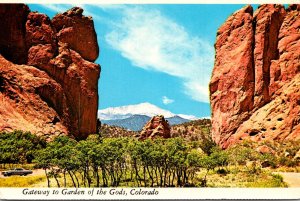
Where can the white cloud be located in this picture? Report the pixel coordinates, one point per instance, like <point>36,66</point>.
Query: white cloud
<point>63,8</point>
<point>167,100</point>
<point>190,117</point>
<point>153,42</point>
<point>109,7</point>
<point>56,7</point>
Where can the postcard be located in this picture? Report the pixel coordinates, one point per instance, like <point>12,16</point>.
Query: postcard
<point>149,100</point>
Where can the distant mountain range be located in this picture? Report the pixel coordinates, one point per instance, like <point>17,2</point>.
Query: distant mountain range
<point>136,122</point>
<point>134,117</point>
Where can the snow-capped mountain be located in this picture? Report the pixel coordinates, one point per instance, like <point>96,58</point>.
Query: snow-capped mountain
<point>136,122</point>
<point>147,109</point>
<point>133,123</point>
<point>134,117</point>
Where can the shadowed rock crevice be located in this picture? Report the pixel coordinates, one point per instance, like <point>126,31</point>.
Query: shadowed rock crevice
<point>253,61</point>
<point>12,34</point>
<point>268,19</point>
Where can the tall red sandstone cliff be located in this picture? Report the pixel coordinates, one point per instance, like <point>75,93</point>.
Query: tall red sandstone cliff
<point>55,90</point>
<point>255,84</point>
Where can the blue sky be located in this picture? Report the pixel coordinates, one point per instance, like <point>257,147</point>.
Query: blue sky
<point>162,53</point>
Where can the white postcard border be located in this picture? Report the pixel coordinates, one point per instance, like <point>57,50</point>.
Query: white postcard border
<point>160,193</point>
<point>163,193</point>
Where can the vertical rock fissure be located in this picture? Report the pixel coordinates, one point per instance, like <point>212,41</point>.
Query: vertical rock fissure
<point>268,20</point>
<point>266,65</point>
<point>270,53</point>
<point>253,59</point>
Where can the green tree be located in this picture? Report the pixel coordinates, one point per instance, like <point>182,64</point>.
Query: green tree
<point>19,147</point>
<point>194,162</point>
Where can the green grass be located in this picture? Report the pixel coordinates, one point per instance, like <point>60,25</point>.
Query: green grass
<point>234,176</point>
<point>287,169</point>
<point>21,181</point>
<point>241,177</point>
<point>263,179</point>
<point>268,181</point>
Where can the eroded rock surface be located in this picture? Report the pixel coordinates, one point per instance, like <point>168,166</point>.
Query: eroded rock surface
<point>30,100</point>
<point>78,31</point>
<point>156,127</point>
<point>255,85</point>
<point>63,49</point>
<point>12,34</point>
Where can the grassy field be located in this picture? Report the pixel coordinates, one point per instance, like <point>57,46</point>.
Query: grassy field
<point>264,179</point>
<point>234,177</point>
<point>288,169</point>
<point>22,181</point>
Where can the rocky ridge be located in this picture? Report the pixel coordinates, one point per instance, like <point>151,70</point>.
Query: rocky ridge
<point>48,81</point>
<point>255,84</point>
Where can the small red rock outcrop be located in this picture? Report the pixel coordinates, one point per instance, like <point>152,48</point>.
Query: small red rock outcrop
<point>157,126</point>
<point>65,59</point>
<point>255,84</point>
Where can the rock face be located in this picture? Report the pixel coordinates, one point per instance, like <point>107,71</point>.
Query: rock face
<point>157,126</point>
<point>12,34</point>
<point>78,31</point>
<point>31,100</point>
<point>255,85</point>
<point>61,51</point>
<point>267,19</point>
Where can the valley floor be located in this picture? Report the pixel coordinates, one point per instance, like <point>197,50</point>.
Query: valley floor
<point>266,178</point>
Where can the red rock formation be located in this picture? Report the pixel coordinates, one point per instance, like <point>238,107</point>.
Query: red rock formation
<point>39,30</point>
<point>264,149</point>
<point>156,127</point>
<point>232,83</point>
<point>61,59</point>
<point>30,100</point>
<point>78,31</point>
<point>268,19</point>
<point>12,34</point>
<point>260,100</point>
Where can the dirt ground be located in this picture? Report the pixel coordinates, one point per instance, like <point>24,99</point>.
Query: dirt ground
<point>291,178</point>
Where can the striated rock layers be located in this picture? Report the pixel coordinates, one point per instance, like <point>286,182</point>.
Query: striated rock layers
<point>255,84</point>
<point>156,127</point>
<point>48,81</point>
